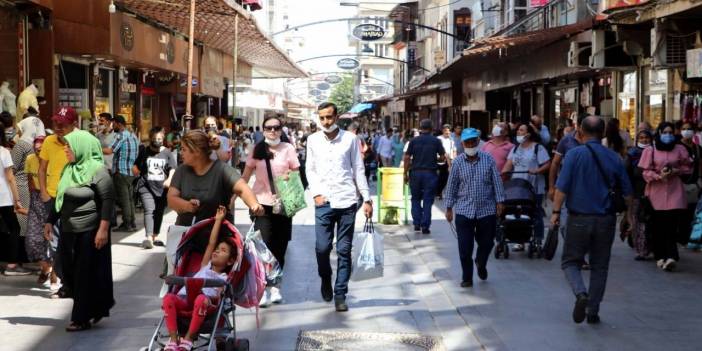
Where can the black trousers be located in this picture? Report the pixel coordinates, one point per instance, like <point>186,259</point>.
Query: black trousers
<point>665,232</point>
<point>443,178</point>
<point>10,231</point>
<point>276,231</point>
<point>89,271</point>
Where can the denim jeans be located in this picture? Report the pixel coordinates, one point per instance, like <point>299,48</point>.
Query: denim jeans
<point>482,230</point>
<point>593,235</point>
<point>125,197</point>
<point>423,188</point>
<point>154,206</point>
<point>326,220</point>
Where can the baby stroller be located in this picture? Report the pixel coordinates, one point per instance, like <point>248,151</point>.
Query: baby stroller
<point>218,331</point>
<point>516,225</point>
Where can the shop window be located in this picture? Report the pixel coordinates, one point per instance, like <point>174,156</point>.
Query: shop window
<point>104,92</point>
<point>462,23</point>
<point>656,85</point>
<point>626,101</point>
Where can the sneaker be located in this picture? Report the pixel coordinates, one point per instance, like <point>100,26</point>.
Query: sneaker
<point>171,346</point>
<point>340,304</point>
<point>482,273</point>
<point>593,319</point>
<point>185,345</point>
<point>266,299</point>
<point>276,296</point>
<point>426,231</point>
<point>670,265</point>
<point>16,271</point>
<point>467,284</point>
<point>581,302</point>
<point>327,290</point>
<point>660,263</point>
<point>417,228</point>
<point>147,244</point>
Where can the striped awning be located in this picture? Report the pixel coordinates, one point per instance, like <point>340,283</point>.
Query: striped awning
<point>214,27</point>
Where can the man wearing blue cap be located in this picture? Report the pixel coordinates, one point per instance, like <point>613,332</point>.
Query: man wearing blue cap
<point>421,166</point>
<point>474,192</point>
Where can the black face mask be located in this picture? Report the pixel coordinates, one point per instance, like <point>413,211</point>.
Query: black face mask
<point>157,144</point>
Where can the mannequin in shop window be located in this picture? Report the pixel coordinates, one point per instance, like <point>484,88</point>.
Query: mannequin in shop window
<point>8,100</point>
<point>27,99</point>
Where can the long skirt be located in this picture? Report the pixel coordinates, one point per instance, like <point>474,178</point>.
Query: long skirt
<point>90,273</point>
<point>639,231</point>
<point>37,247</point>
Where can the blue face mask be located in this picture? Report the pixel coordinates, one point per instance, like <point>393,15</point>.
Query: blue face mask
<point>667,138</point>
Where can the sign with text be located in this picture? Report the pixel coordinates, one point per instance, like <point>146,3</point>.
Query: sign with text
<point>694,63</point>
<point>347,63</point>
<point>368,32</point>
<point>333,79</point>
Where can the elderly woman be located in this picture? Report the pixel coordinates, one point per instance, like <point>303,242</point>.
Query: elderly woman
<point>637,228</point>
<point>200,185</point>
<point>663,166</point>
<point>272,158</point>
<point>84,204</point>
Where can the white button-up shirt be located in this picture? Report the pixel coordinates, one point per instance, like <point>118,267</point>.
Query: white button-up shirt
<point>335,169</point>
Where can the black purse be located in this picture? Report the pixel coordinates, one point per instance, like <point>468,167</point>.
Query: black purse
<point>551,243</point>
<point>617,202</point>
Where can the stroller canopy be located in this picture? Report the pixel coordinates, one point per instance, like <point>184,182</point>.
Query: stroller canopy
<point>519,190</point>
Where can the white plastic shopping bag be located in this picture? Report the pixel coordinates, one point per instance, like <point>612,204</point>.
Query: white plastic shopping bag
<point>175,233</point>
<point>368,256</point>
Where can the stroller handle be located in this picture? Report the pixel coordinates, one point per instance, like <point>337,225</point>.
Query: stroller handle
<point>513,172</point>
<point>208,283</point>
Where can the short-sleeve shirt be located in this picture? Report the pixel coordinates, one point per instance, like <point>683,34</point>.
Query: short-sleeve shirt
<point>106,140</point>
<point>53,152</point>
<point>498,152</point>
<point>31,168</point>
<point>5,192</point>
<point>212,189</point>
<point>206,272</point>
<point>285,159</point>
<point>524,159</point>
<point>154,167</point>
<point>424,150</point>
<point>566,144</point>
<point>223,147</point>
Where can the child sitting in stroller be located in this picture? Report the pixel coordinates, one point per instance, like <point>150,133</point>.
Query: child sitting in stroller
<point>218,259</point>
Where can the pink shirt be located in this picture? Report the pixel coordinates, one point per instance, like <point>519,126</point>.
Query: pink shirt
<point>668,194</point>
<point>498,152</point>
<point>284,160</point>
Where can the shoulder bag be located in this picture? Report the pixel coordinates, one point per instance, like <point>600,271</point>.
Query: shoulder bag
<point>277,204</point>
<point>617,203</point>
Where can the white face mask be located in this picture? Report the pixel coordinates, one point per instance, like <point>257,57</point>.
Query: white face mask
<point>521,138</point>
<point>273,142</point>
<point>330,129</point>
<point>496,131</point>
<point>642,146</point>
<point>687,134</point>
<point>471,151</point>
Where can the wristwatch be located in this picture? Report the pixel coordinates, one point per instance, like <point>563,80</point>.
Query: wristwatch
<point>556,212</point>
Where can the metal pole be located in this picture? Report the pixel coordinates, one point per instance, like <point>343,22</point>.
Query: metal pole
<point>189,90</point>
<point>236,63</point>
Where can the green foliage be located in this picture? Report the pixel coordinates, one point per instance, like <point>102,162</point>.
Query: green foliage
<point>342,94</point>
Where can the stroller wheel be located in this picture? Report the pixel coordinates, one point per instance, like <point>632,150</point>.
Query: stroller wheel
<point>233,344</point>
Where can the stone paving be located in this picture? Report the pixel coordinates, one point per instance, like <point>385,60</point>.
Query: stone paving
<point>525,304</point>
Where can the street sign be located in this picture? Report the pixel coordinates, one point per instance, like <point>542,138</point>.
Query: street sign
<point>347,63</point>
<point>323,86</point>
<point>368,32</point>
<point>333,79</point>
<point>315,92</point>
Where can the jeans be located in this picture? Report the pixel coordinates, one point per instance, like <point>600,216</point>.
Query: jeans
<point>443,178</point>
<point>125,197</point>
<point>539,220</point>
<point>593,235</point>
<point>343,219</point>
<point>482,230</point>
<point>153,210</point>
<point>423,188</point>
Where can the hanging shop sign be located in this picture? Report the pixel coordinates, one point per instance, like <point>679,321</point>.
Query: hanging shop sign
<point>126,35</point>
<point>333,79</point>
<point>694,63</point>
<point>347,63</point>
<point>323,86</point>
<point>315,92</point>
<point>368,32</point>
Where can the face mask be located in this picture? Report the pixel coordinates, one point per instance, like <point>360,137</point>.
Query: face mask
<point>496,131</point>
<point>10,133</point>
<point>667,138</point>
<point>521,138</point>
<point>641,145</point>
<point>210,129</point>
<point>687,134</point>
<point>331,129</point>
<point>273,142</point>
<point>156,143</point>
<point>471,151</point>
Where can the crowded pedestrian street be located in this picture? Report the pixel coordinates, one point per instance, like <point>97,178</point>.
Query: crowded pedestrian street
<point>524,305</point>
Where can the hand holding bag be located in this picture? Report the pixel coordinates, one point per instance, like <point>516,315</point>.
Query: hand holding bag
<point>551,243</point>
<point>368,256</point>
<point>277,204</point>
<point>292,193</point>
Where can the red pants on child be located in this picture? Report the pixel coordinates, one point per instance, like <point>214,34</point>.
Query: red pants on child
<point>173,303</point>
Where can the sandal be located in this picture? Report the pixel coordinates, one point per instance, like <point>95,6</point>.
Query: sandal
<point>61,294</point>
<point>96,320</point>
<point>76,327</point>
<point>43,277</point>
<point>185,345</point>
<point>171,346</point>
<point>159,243</point>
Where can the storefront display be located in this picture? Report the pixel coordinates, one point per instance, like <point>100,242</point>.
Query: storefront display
<point>655,93</point>
<point>626,102</point>
<point>104,92</point>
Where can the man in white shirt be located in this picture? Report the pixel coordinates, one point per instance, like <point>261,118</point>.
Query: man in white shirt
<point>450,148</point>
<point>224,153</point>
<point>336,177</point>
<point>385,149</point>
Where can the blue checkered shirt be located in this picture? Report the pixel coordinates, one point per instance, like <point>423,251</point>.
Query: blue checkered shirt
<point>474,188</point>
<point>125,150</point>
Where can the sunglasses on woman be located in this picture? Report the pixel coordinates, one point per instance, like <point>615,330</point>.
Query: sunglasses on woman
<point>272,128</point>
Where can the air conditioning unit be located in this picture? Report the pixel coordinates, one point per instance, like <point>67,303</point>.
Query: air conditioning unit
<point>668,49</point>
<point>579,54</point>
<point>597,53</point>
<point>608,52</point>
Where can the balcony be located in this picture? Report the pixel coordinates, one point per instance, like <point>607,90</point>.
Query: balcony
<point>556,13</point>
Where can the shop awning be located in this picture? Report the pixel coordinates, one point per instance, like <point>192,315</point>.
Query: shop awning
<point>493,51</point>
<point>214,22</point>
<point>358,108</point>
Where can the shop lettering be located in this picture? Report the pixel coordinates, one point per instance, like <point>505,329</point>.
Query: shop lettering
<point>128,87</point>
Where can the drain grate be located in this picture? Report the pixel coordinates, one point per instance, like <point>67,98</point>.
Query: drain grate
<point>343,340</point>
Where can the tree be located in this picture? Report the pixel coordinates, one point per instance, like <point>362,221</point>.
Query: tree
<point>342,94</point>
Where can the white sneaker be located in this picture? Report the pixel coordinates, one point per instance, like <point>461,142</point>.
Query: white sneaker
<point>276,296</point>
<point>670,265</point>
<point>147,244</point>
<point>266,299</point>
<point>660,263</point>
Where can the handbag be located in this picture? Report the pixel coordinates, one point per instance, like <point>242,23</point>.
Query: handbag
<point>551,243</point>
<point>291,192</point>
<point>277,204</point>
<point>617,203</point>
<point>368,254</point>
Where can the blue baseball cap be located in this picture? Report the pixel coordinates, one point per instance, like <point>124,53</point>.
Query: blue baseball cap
<point>470,133</point>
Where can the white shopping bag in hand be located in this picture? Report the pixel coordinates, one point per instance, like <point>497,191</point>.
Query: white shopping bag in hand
<point>368,256</point>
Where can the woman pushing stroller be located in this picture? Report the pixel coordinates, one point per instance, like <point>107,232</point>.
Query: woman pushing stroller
<point>218,259</point>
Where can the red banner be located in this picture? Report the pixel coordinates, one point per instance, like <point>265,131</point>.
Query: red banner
<point>612,4</point>
<point>538,3</point>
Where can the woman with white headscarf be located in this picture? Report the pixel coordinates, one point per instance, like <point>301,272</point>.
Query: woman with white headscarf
<point>28,129</point>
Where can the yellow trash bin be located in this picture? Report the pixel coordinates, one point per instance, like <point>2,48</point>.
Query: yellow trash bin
<point>392,195</point>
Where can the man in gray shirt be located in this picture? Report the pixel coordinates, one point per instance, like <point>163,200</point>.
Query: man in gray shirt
<point>106,136</point>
